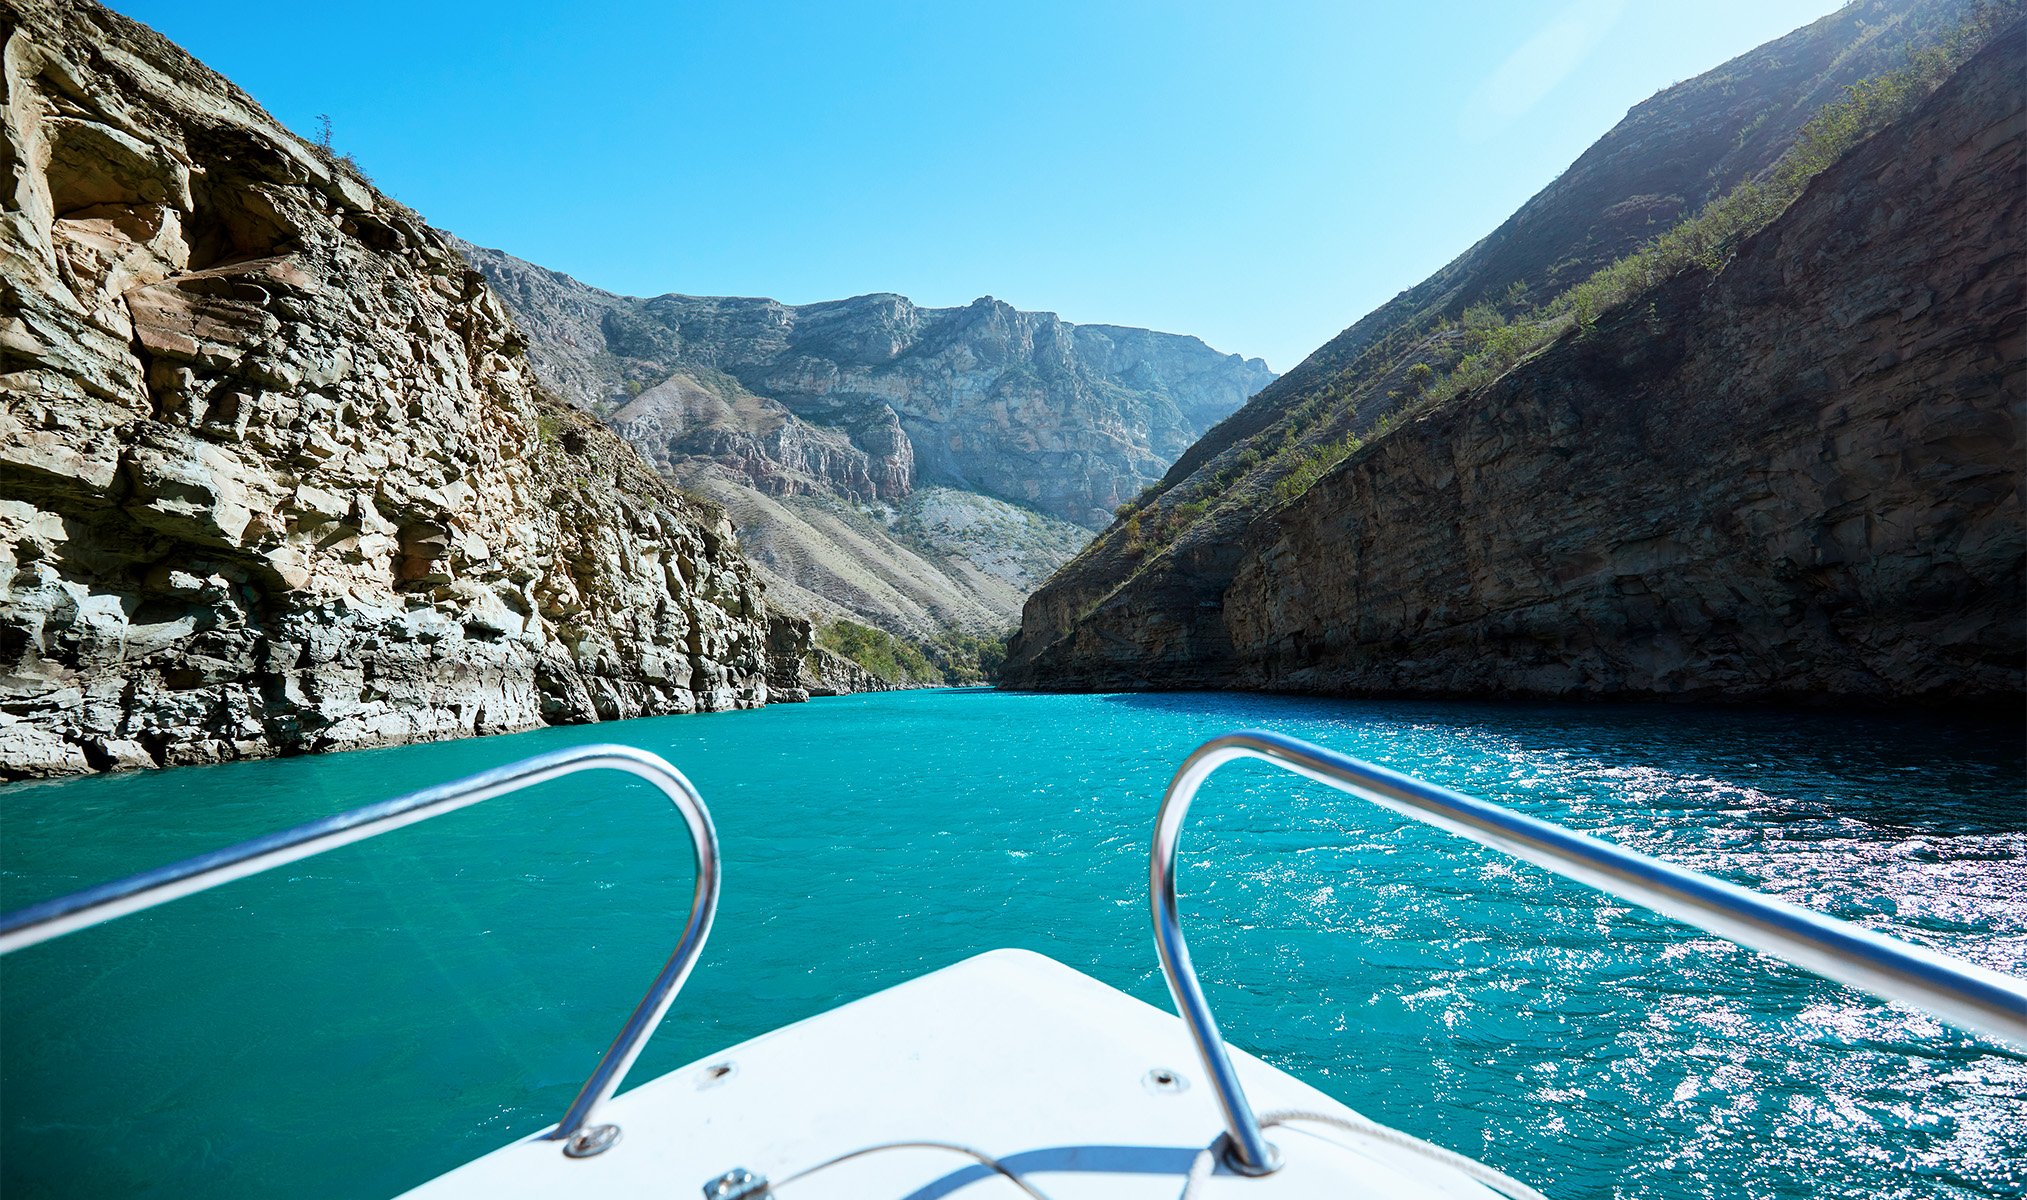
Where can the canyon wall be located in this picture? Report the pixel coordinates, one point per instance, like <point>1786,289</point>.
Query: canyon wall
<point>1171,556</point>
<point>915,469</point>
<point>1797,479</point>
<point>275,473</point>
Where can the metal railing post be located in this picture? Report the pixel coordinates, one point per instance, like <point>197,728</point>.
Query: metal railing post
<point>1961,992</point>
<point>80,910</point>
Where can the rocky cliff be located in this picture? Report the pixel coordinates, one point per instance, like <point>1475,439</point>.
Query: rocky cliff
<point>275,474</point>
<point>1172,555</point>
<point>798,669</point>
<point>1071,419</point>
<point>918,469</point>
<point>701,419</point>
<point>1796,479</point>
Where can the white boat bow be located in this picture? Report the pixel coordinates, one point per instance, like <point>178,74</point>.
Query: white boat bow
<point>1077,1088</point>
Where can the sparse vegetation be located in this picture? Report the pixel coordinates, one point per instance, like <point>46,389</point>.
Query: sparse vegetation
<point>1498,336</point>
<point>1310,465</point>
<point>952,657</point>
<point>711,509</point>
<point>1146,497</point>
<point>1447,355</point>
<point>329,153</point>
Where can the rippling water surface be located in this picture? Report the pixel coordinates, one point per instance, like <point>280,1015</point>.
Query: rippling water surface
<point>351,1025</point>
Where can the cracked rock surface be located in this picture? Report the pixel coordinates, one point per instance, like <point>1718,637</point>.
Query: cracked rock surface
<point>868,397</point>
<point>1796,480</point>
<point>275,474</point>
<point>836,433</point>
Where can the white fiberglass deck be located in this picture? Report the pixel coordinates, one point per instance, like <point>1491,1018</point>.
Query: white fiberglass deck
<point>1010,1053</point>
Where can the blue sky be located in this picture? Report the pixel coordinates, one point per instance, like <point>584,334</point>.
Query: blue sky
<point>1258,174</point>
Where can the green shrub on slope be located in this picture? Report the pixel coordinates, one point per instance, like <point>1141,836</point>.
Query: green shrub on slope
<point>952,657</point>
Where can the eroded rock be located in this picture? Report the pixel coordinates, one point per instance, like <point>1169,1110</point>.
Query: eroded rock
<point>275,475</point>
<point>1798,480</point>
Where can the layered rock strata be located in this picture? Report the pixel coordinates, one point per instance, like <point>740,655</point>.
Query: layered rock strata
<point>275,474</point>
<point>890,419</point>
<point>684,423</point>
<point>1172,555</point>
<point>1797,480</point>
<point>1073,420</point>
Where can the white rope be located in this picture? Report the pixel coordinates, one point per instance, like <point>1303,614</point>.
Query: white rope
<point>1498,1181</point>
<point>1200,1170</point>
<point>1205,1163</point>
<point>980,1155</point>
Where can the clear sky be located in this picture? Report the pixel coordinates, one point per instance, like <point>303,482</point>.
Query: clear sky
<point>1258,174</point>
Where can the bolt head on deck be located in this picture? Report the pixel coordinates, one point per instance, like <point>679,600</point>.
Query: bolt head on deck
<point>738,1184</point>
<point>590,1140</point>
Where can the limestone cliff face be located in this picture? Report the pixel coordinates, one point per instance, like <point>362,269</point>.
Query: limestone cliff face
<point>1798,479</point>
<point>685,420</point>
<point>1071,419</point>
<point>797,668</point>
<point>275,474</point>
<point>868,449</point>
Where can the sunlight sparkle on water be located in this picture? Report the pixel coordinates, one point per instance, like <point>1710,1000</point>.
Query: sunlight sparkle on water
<point>355,1026</point>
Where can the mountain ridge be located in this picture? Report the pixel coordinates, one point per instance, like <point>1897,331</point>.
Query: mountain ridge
<point>942,370</point>
<point>842,436</point>
<point>1171,555</point>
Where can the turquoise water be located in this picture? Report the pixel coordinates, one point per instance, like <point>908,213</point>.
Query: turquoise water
<point>353,1024</point>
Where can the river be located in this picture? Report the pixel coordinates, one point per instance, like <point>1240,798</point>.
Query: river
<point>351,1025</point>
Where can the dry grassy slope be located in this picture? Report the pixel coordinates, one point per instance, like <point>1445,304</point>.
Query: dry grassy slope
<point>1670,154</point>
<point>1798,479</point>
<point>936,559</point>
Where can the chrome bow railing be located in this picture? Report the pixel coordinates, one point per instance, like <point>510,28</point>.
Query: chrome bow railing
<point>580,1138</point>
<point>1958,991</point>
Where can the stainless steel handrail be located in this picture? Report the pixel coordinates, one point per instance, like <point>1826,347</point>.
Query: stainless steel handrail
<point>80,910</point>
<point>1952,988</point>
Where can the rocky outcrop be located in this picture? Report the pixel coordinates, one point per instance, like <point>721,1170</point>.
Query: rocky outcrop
<point>1071,419</point>
<point>1172,556</point>
<point>798,669</point>
<point>1797,480</point>
<point>275,474</point>
<point>828,674</point>
<point>843,437</point>
<point>685,424</point>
